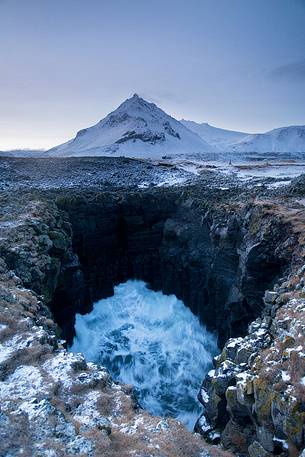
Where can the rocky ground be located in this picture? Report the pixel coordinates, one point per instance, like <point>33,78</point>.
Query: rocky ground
<point>53,403</point>
<point>254,398</point>
<point>258,381</point>
<point>95,172</point>
<point>109,173</point>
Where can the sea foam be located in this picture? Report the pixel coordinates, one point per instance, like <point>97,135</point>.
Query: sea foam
<point>152,341</point>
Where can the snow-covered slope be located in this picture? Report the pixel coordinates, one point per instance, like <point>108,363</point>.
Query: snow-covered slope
<point>135,129</point>
<point>213,135</point>
<point>285,139</point>
<point>281,140</point>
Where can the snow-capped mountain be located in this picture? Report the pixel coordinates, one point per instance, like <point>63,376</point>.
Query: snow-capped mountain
<point>284,139</point>
<point>213,135</point>
<point>135,129</point>
<point>138,128</point>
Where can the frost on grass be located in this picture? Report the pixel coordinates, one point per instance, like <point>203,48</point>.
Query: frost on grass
<point>52,402</point>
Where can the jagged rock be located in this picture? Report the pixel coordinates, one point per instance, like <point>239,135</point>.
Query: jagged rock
<point>262,395</point>
<point>60,242</point>
<point>270,296</point>
<point>256,450</point>
<point>237,437</point>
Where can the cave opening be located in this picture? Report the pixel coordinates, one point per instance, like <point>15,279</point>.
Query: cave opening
<point>158,238</point>
<point>162,240</point>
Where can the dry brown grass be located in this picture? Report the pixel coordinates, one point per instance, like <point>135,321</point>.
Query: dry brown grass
<point>299,390</point>
<point>119,444</point>
<point>13,325</point>
<point>105,403</point>
<point>293,451</point>
<point>78,389</point>
<point>15,436</point>
<point>35,355</point>
<point>296,366</point>
<point>115,445</point>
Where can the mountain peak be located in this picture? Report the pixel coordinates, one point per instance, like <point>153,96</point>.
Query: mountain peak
<point>135,99</point>
<point>135,102</point>
<point>137,128</point>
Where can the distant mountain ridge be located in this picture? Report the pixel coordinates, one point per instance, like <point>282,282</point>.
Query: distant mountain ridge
<point>282,140</point>
<point>214,135</point>
<point>140,129</point>
<point>136,128</point>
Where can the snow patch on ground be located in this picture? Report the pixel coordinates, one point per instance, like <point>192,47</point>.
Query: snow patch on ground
<point>23,383</point>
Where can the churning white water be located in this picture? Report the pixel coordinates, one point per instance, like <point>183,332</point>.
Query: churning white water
<point>152,341</point>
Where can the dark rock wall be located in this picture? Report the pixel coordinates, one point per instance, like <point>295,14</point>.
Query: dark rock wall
<point>211,258</point>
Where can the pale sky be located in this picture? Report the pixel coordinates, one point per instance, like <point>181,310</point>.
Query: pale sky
<point>65,64</point>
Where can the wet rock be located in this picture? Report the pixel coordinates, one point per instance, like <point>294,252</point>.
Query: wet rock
<point>256,450</point>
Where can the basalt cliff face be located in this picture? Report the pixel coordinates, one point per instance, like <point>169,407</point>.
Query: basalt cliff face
<point>219,259</point>
<point>236,262</point>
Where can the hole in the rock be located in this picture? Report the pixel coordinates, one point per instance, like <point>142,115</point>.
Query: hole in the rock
<point>154,237</point>
<point>153,342</point>
<point>220,279</point>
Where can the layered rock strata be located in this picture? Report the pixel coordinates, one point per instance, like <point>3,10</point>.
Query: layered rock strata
<point>254,398</point>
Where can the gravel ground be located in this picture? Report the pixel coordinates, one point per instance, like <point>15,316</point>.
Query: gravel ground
<point>119,173</point>
<point>98,172</point>
<point>105,173</point>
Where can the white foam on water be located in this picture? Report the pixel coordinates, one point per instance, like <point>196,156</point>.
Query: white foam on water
<point>152,341</point>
